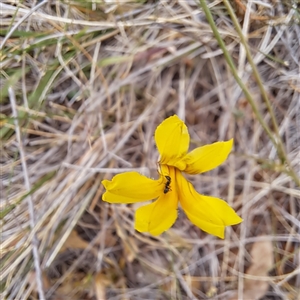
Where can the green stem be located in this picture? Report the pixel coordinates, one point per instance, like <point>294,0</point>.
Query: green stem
<point>280,148</point>
<point>276,141</point>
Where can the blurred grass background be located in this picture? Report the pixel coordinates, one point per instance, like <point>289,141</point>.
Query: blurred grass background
<point>84,85</point>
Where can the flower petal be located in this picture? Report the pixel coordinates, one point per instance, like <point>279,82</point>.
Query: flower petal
<point>208,157</point>
<point>158,216</point>
<point>172,140</point>
<point>131,187</point>
<point>208,213</point>
<point>216,230</point>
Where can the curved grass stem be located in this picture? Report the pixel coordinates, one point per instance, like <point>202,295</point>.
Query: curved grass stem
<point>274,136</point>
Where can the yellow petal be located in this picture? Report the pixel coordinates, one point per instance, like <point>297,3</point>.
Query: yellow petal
<point>158,216</point>
<point>172,140</point>
<point>113,198</point>
<point>216,230</point>
<point>132,187</point>
<point>208,213</point>
<point>208,157</point>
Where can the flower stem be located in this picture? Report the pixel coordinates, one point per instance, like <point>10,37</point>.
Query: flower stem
<point>274,137</point>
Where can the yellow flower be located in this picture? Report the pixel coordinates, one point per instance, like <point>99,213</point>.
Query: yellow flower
<point>210,214</point>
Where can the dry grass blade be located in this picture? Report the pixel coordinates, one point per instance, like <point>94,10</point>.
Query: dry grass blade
<point>83,86</point>
<point>32,216</point>
<point>262,261</point>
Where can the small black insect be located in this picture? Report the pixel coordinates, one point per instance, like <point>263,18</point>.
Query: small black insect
<point>167,186</point>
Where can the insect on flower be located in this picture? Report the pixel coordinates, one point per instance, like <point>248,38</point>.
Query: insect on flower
<point>167,186</point>
<point>209,213</point>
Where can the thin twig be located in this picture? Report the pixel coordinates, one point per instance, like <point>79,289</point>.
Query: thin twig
<point>35,250</point>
